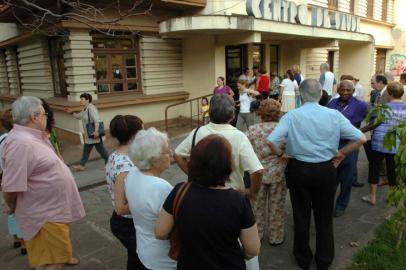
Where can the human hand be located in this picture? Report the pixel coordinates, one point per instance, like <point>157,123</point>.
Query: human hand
<point>68,110</point>
<point>95,134</point>
<point>337,159</point>
<point>7,210</point>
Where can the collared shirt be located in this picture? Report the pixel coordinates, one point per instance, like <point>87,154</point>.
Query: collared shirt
<point>45,187</point>
<point>327,81</point>
<point>382,97</point>
<point>355,110</point>
<point>398,115</point>
<point>244,156</point>
<point>313,132</point>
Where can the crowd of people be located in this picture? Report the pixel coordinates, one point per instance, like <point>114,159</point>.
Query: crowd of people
<point>294,135</point>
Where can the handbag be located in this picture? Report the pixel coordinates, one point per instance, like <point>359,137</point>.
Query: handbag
<point>173,238</point>
<point>90,127</point>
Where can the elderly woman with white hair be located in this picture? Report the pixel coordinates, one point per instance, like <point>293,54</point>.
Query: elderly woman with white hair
<point>146,192</point>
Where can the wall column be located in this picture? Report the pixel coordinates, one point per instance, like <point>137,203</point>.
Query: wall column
<point>79,64</point>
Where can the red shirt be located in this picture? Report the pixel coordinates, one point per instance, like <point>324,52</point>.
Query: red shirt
<point>263,84</point>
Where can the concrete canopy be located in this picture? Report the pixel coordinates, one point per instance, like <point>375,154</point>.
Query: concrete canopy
<point>216,24</point>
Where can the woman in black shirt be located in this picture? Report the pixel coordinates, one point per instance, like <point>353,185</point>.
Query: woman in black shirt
<point>212,220</point>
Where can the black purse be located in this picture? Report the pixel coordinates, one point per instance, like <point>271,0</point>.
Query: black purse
<point>90,128</point>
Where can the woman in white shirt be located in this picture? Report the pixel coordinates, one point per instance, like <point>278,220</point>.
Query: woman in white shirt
<point>287,93</point>
<point>245,116</point>
<point>146,192</point>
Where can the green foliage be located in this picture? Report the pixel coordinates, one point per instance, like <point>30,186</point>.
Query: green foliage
<point>379,113</point>
<point>381,253</point>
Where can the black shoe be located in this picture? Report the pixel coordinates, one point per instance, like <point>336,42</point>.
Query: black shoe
<point>358,184</point>
<point>17,244</point>
<point>23,251</point>
<point>338,212</point>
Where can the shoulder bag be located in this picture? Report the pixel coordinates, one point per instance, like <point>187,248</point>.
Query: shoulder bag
<point>90,126</point>
<point>173,238</point>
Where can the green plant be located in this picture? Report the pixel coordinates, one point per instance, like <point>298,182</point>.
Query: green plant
<point>395,137</point>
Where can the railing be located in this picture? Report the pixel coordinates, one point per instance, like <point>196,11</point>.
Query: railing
<point>190,101</point>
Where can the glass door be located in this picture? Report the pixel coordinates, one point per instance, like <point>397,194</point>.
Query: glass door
<point>236,61</point>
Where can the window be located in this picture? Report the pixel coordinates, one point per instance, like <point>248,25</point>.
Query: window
<point>352,6</point>
<point>384,10</point>
<point>380,61</point>
<point>370,8</point>
<point>333,4</point>
<point>117,65</point>
<point>274,56</point>
<point>57,66</point>
<point>257,55</point>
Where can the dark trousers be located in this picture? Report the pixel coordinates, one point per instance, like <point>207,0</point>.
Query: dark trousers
<point>345,178</point>
<point>375,165</point>
<point>312,187</point>
<point>123,229</point>
<point>87,148</point>
<point>355,177</point>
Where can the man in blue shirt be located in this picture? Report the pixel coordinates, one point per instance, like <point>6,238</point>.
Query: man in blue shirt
<point>354,110</point>
<point>312,135</point>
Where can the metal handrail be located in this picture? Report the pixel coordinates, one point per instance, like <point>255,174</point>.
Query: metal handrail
<point>190,101</point>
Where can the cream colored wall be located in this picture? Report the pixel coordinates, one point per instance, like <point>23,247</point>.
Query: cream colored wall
<point>35,68</point>
<point>357,59</point>
<point>3,74</point>
<point>12,72</point>
<point>162,65</point>
<point>79,64</point>
<point>8,30</point>
<point>381,33</point>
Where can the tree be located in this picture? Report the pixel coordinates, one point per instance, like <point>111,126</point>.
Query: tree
<point>43,16</point>
<point>395,137</point>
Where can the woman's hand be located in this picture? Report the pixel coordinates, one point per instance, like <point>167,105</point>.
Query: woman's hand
<point>68,110</point>
<point>95,134</point>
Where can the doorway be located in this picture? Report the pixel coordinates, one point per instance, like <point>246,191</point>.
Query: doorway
<point>380,61</point>
<point>236,61</point>
<point>331,60</point>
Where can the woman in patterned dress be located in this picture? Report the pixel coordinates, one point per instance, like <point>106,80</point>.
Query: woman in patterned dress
<point>270,202</point>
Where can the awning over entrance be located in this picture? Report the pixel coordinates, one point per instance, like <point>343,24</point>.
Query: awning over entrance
<point>217,25</point>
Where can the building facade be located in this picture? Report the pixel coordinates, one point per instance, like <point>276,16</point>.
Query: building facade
<point>178,50</point>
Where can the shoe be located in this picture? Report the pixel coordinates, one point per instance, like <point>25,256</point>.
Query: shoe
<point>23,251</point>
<point>367,200</point>
<point>338,212</point>
<point>358,184</point>
<point>17,244</point>
<point>78,167</point>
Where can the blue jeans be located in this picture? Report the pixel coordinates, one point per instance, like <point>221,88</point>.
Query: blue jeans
<point>355,177</point>
<point>87,148</point>
<point>345,177</point>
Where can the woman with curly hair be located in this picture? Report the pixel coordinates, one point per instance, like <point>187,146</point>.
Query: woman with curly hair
<point>270,202</point>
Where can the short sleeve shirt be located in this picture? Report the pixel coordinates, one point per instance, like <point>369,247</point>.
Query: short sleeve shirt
<point>117,163</point>
<point>208,223</point>
<point>45,187</point>
<point>244,156</point>
<point>91,111</point>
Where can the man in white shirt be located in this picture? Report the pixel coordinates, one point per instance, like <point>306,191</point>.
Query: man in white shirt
<point>327,80</point>
<point>221,113</point>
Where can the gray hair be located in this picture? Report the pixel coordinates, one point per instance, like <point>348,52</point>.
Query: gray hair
<point>346,83</point>
<point>24,108</point>
<point>147,147</point>
<point>389,76</point>
<point>310,90</point>
<point>325,66</point>
<point>221,109</point>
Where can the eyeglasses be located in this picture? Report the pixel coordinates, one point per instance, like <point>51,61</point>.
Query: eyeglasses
<point>45,113</point>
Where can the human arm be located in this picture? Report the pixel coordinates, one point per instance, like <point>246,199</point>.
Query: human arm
<point>120,200</point>
<point>182,163</point>
<point>164,225</point>
<point>256,179</point>
<point>231,92</point>
<point>250,241</point>
<point>281,88</point>
<point>10,199</point>
<point>347,149</point>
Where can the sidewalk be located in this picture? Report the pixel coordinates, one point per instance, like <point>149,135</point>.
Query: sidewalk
<point>98,249</point>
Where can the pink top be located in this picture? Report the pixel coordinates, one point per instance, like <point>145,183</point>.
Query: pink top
<point>222,90</point>
<point>46,189</point>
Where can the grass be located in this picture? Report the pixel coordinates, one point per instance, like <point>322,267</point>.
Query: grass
<point>381,254</point>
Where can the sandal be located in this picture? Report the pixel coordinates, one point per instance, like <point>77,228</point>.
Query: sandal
<point>73,261</point>
<point>367,200</point>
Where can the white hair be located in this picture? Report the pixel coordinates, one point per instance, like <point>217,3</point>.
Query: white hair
<point>325,66</point>
<point>24,108</point>
<point>146,147</point>
<point>310,90</point>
